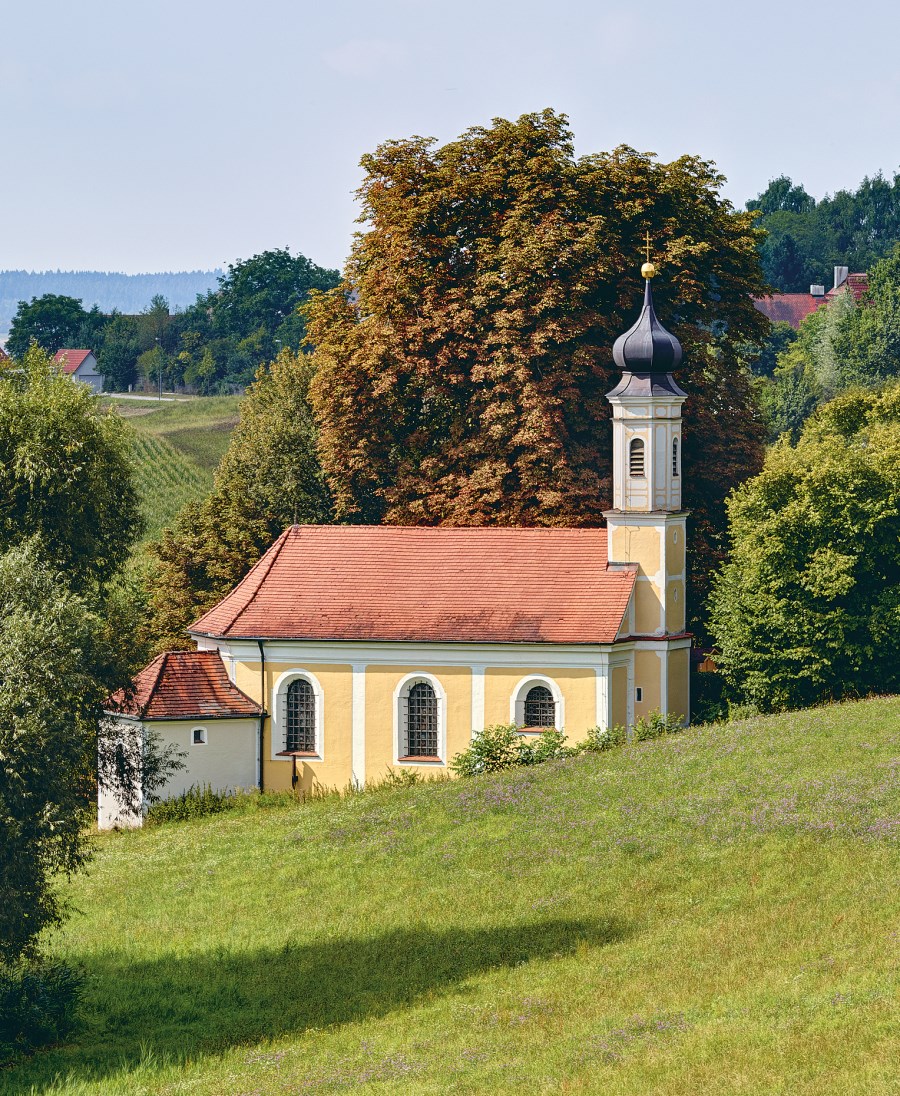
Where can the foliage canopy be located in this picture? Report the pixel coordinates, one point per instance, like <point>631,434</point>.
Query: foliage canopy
<point>65,472</point>
<point>808,607</point>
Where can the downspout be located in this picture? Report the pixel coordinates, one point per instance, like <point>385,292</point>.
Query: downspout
<point>262,705</point>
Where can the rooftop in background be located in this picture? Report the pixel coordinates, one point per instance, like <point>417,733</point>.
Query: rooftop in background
<point>184,685</point>
<point>793,308</point>
<point>70,359</point>
<point>413,584</point>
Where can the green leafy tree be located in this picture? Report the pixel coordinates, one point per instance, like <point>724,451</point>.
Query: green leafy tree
<point>65,473</point>
<point>268,479</point>
<point>252,315</point>
<point>61,654</point>
<point>119,352</point>
<point>780,337</point>
<point>52,321</point>
<point>869,339</point>
<point>808,607</point>
<point>464,359</point>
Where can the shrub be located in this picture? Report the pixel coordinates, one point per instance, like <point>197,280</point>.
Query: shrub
<point>197,802</point>
<point>603,738</point>
<point>547,746</point>
<point>492,749</point>
<point>38,1005</point>
<point>656,725</point>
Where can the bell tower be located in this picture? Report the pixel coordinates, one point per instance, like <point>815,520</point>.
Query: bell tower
<point>646,524</point>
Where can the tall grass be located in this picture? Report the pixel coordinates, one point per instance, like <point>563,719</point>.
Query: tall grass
<point>715,912</point>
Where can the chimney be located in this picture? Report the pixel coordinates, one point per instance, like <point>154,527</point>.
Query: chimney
<point>840,275</point>
<point>817,291</point>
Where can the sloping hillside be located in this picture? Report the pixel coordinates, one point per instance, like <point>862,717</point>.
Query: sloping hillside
<point>178,446</point>
<point>715,912</point>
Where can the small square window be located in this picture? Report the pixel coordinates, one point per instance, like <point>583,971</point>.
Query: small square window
<point>638,694</point>
<point>198,736</point>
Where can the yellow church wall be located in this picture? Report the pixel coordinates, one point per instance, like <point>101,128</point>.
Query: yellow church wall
<point>679,682</point>
<point>675,550</point>
<point>577,685</point>
<point>619,696</point>
<point>335,768</point>
<point>646,608</point>
<point>647,674</point>
<point>675,606</point>
<point>637,544</point>
<point>382,682</point>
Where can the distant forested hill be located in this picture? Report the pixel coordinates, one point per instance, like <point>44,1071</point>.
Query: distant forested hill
<point>129,293</point>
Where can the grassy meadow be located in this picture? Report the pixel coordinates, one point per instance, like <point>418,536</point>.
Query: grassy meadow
<point>178,446</point>
<point>716,912</point>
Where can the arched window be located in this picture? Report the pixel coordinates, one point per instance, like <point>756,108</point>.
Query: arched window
<point>636,457</point>
<point>674,456</point>
<point>300,721</point>
<point>420,721</point>
<point>540,707</point>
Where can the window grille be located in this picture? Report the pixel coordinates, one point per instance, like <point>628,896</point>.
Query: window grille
<point>540,707</point>
<point>301,718</point>
<point>421,721</point>
<point>675,456</point>
<point>636,457</point>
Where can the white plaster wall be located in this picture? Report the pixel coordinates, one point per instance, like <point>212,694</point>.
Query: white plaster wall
<point>226,761</point>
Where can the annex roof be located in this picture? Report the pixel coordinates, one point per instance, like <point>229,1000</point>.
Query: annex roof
<point>70,360</point>
<point>424,584</point>
<point>857,284</point>
<point>184,685</point>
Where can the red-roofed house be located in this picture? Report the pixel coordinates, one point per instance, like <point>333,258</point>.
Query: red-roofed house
<point>373,648</point>
<point>793,308</point>
<point>80,365</point>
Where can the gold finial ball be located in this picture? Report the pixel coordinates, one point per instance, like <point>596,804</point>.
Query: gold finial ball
<point>648,270</point>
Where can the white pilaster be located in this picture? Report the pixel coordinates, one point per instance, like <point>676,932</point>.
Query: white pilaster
<point>358,724</point>
<point>477,699</point>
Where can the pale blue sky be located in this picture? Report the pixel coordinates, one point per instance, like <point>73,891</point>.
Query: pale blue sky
<point>188,133</point>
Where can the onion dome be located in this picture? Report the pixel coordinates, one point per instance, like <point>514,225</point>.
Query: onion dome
<point>647,347</point>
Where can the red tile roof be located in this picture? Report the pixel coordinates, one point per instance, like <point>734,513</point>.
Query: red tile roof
<point>184,685</point>
<point>788,307</point>
<point>858,284</point>
<point>70,359</point>
<point>429,585</point>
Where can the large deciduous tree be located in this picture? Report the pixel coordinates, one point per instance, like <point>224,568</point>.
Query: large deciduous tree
<point>66,478</point>
<point>808,607</point>
<point>462,362</point>
<point>268,479</point>
<point>52,321</point>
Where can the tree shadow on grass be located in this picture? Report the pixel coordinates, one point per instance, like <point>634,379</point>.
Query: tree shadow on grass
<point>189,1006</point>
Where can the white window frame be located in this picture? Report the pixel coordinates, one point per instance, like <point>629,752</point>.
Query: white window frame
<point>401,694</point>
<point>517,700</point>
<point>279,714</point>
<point>204,741</point>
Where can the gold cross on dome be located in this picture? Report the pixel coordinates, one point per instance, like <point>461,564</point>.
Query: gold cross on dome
<point>647,247</point>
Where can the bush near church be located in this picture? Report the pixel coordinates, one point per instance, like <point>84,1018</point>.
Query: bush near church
<point>808,608</point>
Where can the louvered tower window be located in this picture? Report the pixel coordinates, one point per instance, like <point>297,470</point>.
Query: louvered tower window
<point>540,707</point>
<point>420,733</point>
<point>674,456</point>
<point>636,457</point>
<point>301,718</point>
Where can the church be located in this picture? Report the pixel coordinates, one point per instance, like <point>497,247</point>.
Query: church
<point>349,651</point>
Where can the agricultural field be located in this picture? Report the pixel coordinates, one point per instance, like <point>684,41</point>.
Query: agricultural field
<point>177,448</point>
<point>713,912</point>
